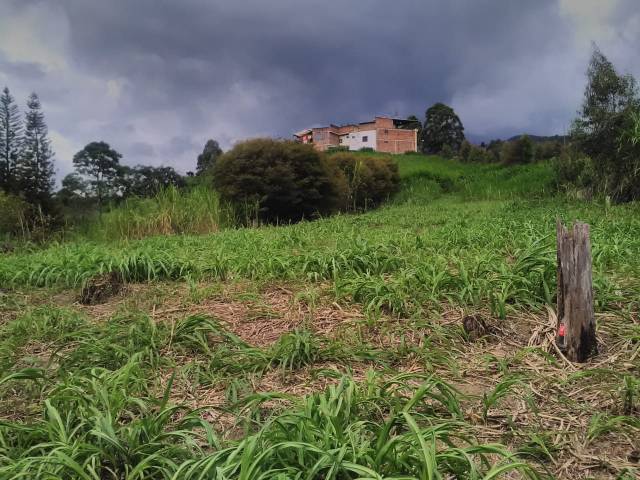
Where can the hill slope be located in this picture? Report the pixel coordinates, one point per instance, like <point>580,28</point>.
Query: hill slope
<point>411,341</point>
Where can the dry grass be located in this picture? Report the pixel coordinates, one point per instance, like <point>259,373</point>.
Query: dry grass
<point>551,399</point>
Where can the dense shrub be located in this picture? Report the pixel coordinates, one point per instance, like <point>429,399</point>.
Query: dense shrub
<point>464,151</point>
<point>520,151</point>
<point>447,152</point>
<point>370,180</point>
<point>472,153</point>
<point>285,181</point>
<point>338,148</point>
<point>575,173</point>
<point>13,214</point>
<point>494,150</point>
<point>548,150</point>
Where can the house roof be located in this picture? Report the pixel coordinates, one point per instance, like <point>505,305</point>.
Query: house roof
<point>306,131</point>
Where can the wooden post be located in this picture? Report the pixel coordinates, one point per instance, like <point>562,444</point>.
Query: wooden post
<point>576,317</point>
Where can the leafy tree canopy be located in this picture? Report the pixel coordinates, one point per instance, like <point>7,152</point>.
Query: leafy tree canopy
<point>442,127</point>
<point>146,181</point>
<point>207,159</point>
<point>101,164</point>
<point>604,130</point>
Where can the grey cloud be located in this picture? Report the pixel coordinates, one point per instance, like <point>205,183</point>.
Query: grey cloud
<point>142,149</point>
<point>182,72</point>
<point>24,70</point>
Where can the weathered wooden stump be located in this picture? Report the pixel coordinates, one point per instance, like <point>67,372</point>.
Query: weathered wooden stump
<point>576,320</point>
<point>100,288</point>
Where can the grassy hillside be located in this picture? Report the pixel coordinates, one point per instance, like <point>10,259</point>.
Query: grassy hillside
<point>328,349</point>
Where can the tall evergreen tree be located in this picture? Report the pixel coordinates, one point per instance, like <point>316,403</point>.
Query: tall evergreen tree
<point>35,163</point>
<point>10,138</point>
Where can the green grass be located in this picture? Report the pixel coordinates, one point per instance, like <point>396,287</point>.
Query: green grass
<point>170,212</point>
<point>476,242</point>
<point>160,387</point>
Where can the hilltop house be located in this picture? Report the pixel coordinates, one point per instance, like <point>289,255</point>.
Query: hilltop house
<point>383,134</point>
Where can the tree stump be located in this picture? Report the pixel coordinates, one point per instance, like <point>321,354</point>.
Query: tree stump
<point>100,288</point>
<point>576,320</point>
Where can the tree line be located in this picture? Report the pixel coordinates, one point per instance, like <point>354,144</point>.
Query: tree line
<point>599,157</point>
<point>28,200</point>
<point>442,133</point>
<point>26,156</point>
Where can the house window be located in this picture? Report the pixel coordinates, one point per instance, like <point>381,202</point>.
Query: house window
<point>340,140</point>
<point>365,139</point>
<point>386,130</point>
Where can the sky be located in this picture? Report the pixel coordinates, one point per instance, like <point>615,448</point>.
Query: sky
<point>157,78</point>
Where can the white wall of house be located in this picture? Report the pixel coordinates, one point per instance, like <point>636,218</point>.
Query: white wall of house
<point>358,140</point>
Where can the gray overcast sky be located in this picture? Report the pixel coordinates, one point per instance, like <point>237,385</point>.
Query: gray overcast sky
<point>156,78</point>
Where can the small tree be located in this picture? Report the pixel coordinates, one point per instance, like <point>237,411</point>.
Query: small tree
<point>207,159</point>
<point>465,151</point>
<point>608,114</point>
<point>146,181</point>
<point>13,214</point>
<point>415,124</point>
<point>442,127</point>
<point>73,187</point>
<point>101,164</point>
<point>34,170</point>
<point>494,150</point>
<point>10,139</point>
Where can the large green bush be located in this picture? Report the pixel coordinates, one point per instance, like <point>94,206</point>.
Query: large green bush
<point>370,180</point>
<point>285,181</point>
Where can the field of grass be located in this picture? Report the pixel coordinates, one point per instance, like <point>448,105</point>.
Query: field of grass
<point>331,349</point>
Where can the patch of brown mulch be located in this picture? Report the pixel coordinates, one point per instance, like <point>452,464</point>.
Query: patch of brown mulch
<point>262,321</point>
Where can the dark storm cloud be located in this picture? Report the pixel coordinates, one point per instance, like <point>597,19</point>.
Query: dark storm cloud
<point>157,78</point>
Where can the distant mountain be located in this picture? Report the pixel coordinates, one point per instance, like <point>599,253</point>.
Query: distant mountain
<point>542,138</point>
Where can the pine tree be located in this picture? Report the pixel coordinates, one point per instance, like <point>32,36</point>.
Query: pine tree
<point>35,164</point>
<point>10,138</point>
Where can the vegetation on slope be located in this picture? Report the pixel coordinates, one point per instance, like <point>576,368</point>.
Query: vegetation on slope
<point>327,349</point>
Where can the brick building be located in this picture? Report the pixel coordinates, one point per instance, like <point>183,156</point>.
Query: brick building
<point>383,134</point>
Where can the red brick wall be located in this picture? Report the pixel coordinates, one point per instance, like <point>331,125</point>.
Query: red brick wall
<point>324,137</point>
<point>384,122</point>
<point>395,140</point>
<point>388,138</point>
